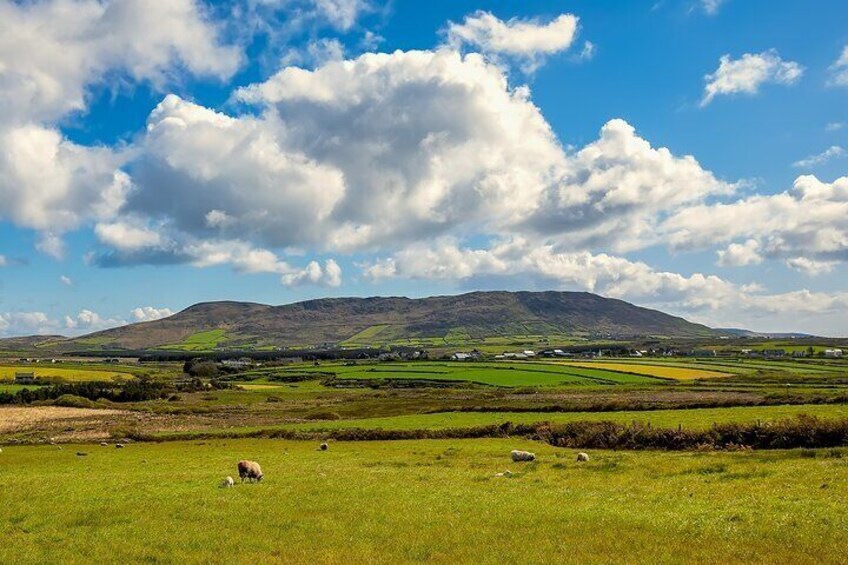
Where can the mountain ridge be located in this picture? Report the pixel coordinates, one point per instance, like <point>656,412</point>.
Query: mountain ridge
<point>372,320</point>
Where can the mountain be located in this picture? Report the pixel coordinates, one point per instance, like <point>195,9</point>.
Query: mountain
<point>367,321</point>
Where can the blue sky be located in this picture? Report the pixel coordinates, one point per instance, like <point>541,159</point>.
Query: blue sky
<point>686,155</point>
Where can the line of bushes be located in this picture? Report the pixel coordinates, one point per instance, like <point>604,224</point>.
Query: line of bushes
<point>638,405</point>
<point>799,432</point>
<point>135,390</point>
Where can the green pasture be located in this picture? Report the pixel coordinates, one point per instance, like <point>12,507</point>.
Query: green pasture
<point>694,418</point>
<point>419,501</point>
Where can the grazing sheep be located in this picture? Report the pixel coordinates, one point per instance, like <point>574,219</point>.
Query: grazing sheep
<point>506,473</point>
<point>119,446</point>
<point>582,457</point>
<point>249,470</point>
<point>522,456</point>
<point>228,482</point>
<point>81,453</point>
<point>324,447</point>
<point>103,444</point>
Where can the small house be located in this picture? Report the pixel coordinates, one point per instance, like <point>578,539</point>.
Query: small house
<point>24,378</point>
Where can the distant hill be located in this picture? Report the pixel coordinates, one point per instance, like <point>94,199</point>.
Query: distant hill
<point>29,343</point>
<point>367,321</point>
<point>737,332</point>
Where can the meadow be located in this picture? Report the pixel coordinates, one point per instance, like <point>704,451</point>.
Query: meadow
<point>411,501</point>
<point>697,418</point>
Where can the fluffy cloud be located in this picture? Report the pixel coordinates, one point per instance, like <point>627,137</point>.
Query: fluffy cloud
<point>127,236</point>
<point>3,261</point>
<point>27,323</point>
<point>810,221</point>
<point>613,191</point>
<point>748,73</point>
<point>529,41</point>
<point>839,70</point>
<point>833,152</point>
<point>80,41</point>
<point>49,183</point>
<point>741,254</point>
<point>393,148</point>
<point>149,313</point>
<point>90,321</point>
<point>384,147</point>
<point>329,275</point>
<point>809,266</point>
<point>51,53</point>
<point>65,280</point>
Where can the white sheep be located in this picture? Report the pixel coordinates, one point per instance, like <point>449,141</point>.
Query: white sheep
<point>324,447</point>
<point>518,455</point>
<point>582,457</point>
<point>506,473</point>
<point>228,482</point>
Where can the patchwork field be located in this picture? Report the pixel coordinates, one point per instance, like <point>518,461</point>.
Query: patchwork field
<point>7,373</point>
<point>413,501</point>
<point>661,371</point>
<point>494,374</point>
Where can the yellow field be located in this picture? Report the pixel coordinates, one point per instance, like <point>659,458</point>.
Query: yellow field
<point>665,372</point>
<point>7,372</point>
<point>260,387</point>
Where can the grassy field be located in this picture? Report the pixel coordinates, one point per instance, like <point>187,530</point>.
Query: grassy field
<point>406,502</point>
<point>13,388</point>
<point>75,374</point>
<point>697,418</point>
<point>201,341</point>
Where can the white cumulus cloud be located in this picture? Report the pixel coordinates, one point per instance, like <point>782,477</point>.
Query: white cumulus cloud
<point>527,40</point>
<point>149,313</point>
<point>748,73</point>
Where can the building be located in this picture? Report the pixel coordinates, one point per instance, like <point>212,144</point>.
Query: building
<point>833,353</point>
<point>460,357</point>
<point>24,378</point>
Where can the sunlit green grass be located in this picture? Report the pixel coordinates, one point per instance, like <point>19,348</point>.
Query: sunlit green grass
<point>696,418</point>
<point>414,501</point>
<point>201,341</point>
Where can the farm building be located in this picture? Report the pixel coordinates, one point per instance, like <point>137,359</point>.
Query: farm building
<point>24,378</point>
<point>833,353</point>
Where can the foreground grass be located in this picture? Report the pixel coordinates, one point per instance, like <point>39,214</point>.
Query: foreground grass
<point>412,501</point>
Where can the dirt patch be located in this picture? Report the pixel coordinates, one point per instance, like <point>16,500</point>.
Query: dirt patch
<point>23,418</point>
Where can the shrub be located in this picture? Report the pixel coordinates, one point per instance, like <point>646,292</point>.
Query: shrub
<point>73,401</point>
